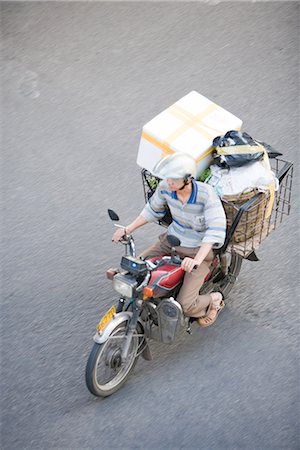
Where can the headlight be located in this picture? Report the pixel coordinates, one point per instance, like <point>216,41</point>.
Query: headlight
<point>124,285</point>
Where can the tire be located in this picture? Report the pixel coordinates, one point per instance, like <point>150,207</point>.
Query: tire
<point>234,268</point>
<point>106,358</point>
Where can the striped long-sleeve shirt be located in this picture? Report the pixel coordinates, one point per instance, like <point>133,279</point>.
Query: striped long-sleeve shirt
<point>202,219</point>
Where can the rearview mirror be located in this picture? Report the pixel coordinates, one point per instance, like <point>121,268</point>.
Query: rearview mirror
<point>114,216</point>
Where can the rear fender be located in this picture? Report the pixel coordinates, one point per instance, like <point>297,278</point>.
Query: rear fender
<point>252,257</point>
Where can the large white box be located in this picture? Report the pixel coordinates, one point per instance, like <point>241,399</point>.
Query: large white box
<point>189,126</point>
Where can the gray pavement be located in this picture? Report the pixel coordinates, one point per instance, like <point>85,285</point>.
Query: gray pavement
<point>78,82</point>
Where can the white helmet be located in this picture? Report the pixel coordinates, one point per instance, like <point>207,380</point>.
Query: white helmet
<point>178,165</point>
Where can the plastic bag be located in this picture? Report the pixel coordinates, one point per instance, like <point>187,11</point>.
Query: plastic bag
<point>241,179</point>
<point>236,149</point>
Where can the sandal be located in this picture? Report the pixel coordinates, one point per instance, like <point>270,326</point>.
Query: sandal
<point>206,321</point>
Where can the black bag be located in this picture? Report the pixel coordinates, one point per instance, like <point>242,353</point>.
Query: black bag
<point>236,149</point>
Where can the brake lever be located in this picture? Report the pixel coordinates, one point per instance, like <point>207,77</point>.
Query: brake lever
<point>176,260</point>
<point>119,226</point>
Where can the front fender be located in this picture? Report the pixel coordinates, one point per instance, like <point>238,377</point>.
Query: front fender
<point>117,320</point>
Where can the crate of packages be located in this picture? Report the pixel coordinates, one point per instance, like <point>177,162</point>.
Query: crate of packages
<point>189,126</point>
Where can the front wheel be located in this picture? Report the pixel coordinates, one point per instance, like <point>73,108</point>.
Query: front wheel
<point>105,371</point>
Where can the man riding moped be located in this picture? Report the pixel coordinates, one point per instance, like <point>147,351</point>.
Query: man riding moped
<point>198,220</point>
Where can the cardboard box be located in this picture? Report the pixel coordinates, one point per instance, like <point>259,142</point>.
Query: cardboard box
<point>189,125</point>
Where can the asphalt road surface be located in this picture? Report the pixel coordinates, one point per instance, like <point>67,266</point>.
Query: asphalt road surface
<point>79,80</point>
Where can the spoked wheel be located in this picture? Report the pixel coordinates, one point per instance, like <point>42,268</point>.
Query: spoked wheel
<point>225,278</point>
<point>106,372</point>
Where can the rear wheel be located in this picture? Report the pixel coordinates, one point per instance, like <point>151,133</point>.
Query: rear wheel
<point>234,267</point>
<point>106,372</point>
<point>225,278</point>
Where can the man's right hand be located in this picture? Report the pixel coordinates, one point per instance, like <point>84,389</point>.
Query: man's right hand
<point>118,234</point>
<point>129,229</point>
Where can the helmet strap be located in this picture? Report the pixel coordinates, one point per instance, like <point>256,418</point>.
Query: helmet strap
<point>186,181</point>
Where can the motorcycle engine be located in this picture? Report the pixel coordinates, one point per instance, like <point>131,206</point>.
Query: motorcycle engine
<point>170,317</point>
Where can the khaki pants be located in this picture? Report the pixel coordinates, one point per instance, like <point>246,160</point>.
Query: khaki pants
<point>193,304</point>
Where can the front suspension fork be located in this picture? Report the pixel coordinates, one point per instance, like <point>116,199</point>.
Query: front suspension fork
<point>131,328</point>
<point>120,305</point>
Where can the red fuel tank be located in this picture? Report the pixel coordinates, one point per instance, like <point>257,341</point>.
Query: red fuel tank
<point>165,278</point>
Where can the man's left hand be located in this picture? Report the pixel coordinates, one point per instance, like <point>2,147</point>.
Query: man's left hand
<point>188,264</point>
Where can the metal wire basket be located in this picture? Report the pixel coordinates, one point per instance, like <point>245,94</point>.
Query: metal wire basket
<point>250,222</point>
<point>150,183</point>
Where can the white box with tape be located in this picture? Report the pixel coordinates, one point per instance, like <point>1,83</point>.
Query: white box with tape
<point>189,125</point>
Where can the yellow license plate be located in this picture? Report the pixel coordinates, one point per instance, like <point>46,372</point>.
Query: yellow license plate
<point>106,319</point>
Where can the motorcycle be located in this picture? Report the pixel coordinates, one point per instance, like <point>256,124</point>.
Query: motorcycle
<point>146,310</point>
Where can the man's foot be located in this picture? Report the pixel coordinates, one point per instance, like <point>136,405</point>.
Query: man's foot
<point>216,306</point>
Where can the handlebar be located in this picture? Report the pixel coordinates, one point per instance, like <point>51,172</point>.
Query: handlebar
<point>128,241</point>
<point>174,260</point>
